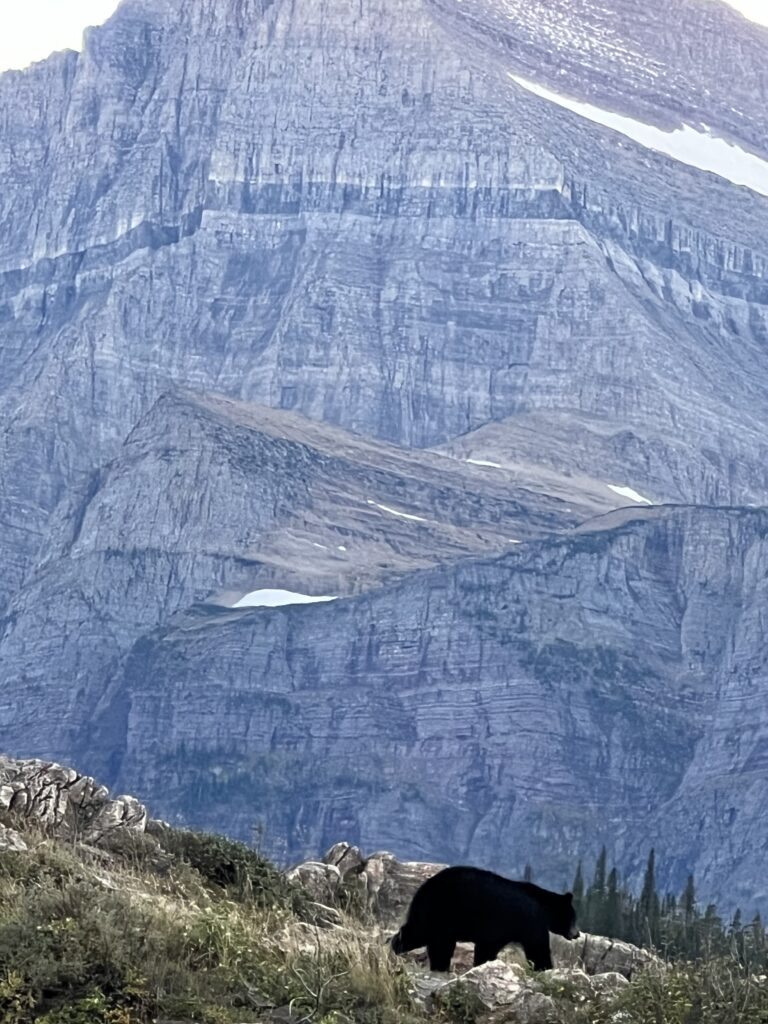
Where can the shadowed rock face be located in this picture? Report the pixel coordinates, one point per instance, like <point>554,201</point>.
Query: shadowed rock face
<point>209,500</point>
<point>577,691</point>
<point>352,217</point>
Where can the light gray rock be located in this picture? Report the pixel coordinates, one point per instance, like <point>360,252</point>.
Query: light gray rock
<point>320,880</point>
<point>569,982</point>
<point>608,983</point>
<point>494,983</point>
<point>60,802</point>
<point>500,986</point>
<point>11,840</point>
<point>347,859</point>
<point>602,958</point>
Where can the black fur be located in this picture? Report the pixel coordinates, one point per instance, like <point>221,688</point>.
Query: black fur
<point>465,904</point>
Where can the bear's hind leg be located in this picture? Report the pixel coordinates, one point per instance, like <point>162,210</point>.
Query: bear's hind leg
<point>485,951</point>
<point>440,954</point>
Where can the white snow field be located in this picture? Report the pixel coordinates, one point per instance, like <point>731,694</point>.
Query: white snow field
<point>394,512</point>
<point>687,145</point>
<point>277,599</point>
<point>628,492</point>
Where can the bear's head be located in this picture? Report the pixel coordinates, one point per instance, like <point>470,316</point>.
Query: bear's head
<point>563,917</point>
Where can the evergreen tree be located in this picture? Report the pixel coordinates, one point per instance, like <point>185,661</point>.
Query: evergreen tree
<point>614,923</point>
<point>528,873</point>
<point>578,891</point>
<point>649,910</point>
<point>736,937</point>
<point>758,939</point>
<point>688,901</point>
<point>598,883</point>
<point>712,934</point>
<point>596,897</point>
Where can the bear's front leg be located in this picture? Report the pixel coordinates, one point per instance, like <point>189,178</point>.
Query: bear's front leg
<point>538,952</point>
<point>440,953</point>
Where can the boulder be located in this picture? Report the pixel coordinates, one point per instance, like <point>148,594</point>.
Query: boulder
<point>608,984</point>
<point>348,859</point>
<point>11,840</point>
<point>498,986</point>
<point>62,803</point>
<point>595,954</point>
<point>321,881</point>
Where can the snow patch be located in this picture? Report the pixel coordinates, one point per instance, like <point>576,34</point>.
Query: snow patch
<point>394,512</point>
<point>697,149</point>
<point>627,492</point>
<point>342,548</point>
<point>277,599</point>
<point>483,462</point>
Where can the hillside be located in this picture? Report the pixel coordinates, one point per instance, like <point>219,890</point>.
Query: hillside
<point>109,917</point>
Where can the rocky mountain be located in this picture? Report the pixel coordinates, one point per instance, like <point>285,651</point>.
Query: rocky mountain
<point>356,301</point>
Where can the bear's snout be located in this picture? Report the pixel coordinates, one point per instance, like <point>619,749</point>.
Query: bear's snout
<point>574,934</point>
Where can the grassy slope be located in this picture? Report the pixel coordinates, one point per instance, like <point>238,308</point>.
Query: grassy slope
<point>201,929</point>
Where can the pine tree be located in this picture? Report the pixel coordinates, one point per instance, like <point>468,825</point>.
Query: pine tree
<point>736,937</point>
<point>649,909</point>
<point>758,939</point>
<point>596,896</point>
<point>528,873</point>
<point>614,924</point>
<point>688,901</point>
<point>578,889</point>
<point>598,883</point>
<point>712,934</point>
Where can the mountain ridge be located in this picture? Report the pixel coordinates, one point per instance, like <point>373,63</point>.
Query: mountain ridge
<point>358,218</point>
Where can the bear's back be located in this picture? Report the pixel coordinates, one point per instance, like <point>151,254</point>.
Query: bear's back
<point>468,898</point>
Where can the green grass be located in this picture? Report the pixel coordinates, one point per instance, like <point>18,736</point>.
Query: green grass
<point>216,936</point>
<point>201,929</point>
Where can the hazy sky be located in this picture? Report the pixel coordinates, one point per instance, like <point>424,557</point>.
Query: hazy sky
<point>31,29</point>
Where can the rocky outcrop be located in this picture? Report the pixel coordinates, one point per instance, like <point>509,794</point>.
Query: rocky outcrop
<point>60,802</point>
<point>497,985</point>
<point>11,840</point>
<point>600,957</point>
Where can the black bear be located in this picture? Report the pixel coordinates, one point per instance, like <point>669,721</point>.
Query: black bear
<point>471,905</point>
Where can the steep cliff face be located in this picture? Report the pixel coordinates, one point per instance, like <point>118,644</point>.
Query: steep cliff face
<point>354,216</point>
<point>574,692</point>
<point>209,500</point>
<point>359,216</point>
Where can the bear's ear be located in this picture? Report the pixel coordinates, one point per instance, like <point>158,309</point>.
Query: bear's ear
<point>569,896</point>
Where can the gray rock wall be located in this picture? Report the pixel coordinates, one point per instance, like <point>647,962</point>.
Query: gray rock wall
<point>580,691</point>
<point>351,213</point>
